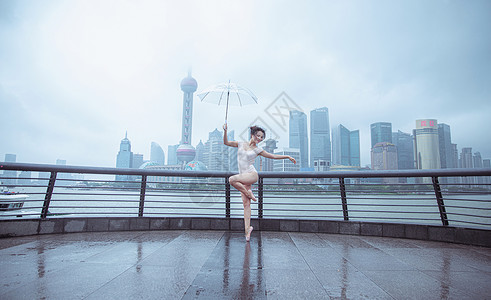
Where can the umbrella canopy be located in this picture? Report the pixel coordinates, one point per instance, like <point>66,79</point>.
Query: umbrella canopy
<point>227,94</point>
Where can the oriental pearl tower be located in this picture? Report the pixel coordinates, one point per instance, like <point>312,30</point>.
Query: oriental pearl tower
<point>185,151</point>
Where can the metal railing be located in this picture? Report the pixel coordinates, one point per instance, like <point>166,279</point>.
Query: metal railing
<point>457,197</point>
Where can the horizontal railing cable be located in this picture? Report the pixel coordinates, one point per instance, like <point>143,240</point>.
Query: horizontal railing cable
<point>460,196</point>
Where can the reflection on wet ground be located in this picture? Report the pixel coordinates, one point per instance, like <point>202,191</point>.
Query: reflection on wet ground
<point>221,265</point>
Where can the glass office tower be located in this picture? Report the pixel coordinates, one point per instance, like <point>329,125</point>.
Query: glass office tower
<point>320,139</point>
<point>298,136</point>
<point>381,132</point>
<point>157,154</point>
<point>345,146</point>
<point>405,149</point>
<point>124,158</point>
<point>445,146</point>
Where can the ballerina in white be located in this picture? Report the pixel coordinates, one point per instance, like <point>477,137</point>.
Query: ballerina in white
<point>246,154</point>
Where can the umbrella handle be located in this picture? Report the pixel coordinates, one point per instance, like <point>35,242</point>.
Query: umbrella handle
<point>226,110</point>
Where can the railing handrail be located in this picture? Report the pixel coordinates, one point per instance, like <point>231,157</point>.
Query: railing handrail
<point>223,174</point>
<point>344,186</point>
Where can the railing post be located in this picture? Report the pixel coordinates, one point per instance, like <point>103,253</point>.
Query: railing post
<point>227,198</point>
<point>142,195</point>
<point>342,188</point>
<point>260,198</point>
<point>439,200</point>
<point>49,193</point>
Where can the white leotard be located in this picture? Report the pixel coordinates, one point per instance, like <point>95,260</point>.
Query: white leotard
<point>246,157</point>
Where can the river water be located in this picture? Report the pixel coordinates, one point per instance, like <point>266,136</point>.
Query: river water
<point>409,208</point>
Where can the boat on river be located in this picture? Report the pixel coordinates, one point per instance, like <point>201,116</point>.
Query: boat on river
<point>11,200</point>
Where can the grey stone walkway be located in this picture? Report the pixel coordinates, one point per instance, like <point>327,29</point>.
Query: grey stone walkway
<point>221,265</point>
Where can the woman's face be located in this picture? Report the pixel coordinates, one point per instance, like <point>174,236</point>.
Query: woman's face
<point>258,136</point>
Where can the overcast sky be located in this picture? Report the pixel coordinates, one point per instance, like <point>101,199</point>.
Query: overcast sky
<point>76,75</point>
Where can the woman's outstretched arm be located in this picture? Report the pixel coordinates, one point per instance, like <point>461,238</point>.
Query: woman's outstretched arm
<point>277,156</point>
<point>225,138</point>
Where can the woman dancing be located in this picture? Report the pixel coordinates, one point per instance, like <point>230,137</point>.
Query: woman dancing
<point>246,154</point>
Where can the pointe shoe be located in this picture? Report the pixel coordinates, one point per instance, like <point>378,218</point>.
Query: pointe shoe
<point>248,236</point>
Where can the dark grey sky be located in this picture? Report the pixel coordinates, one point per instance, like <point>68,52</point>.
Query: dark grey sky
<point>76,75</point>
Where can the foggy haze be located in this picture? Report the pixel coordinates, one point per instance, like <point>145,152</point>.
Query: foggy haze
<point>76,75</point>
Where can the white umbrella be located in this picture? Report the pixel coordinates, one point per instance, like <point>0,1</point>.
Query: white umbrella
<point>227,94</point>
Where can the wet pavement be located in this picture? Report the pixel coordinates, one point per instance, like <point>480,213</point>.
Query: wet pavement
<point>221,265</point>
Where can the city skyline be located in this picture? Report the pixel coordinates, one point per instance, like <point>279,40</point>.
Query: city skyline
<point>125,158</point>
<point>76,75</point>
<point>435,150</point>
<point>393,150</point>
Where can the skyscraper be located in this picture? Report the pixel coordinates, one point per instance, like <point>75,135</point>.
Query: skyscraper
<point>426,144</point>
<point>354,151</point>
<point>405,149</point>
<point>232,152</point>
<point>298,136</point>
<point>477,160</point>
<point>270,147</point>
<point>216,154</point>
<point>339,134</point>
<point>466,159</point>
<point>124,158</point>
<point>172,154</point>
<point>381,132</point>
<point>185,151</point>
<point>320,140</point>
<point>455,156</point>
<point>479,164</point>
<point>445,146</point>
<point>345,146</point>
<point>200,151</point>
<point>285,165</point>
<point>384,156</point>
<point>157,154</point>
<point>137,160</point>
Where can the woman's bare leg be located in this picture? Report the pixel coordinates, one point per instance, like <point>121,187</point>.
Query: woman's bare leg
<point>247,212</point>
<point>242,188</point>
<point>241,181</point>
<point>247,215</point>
